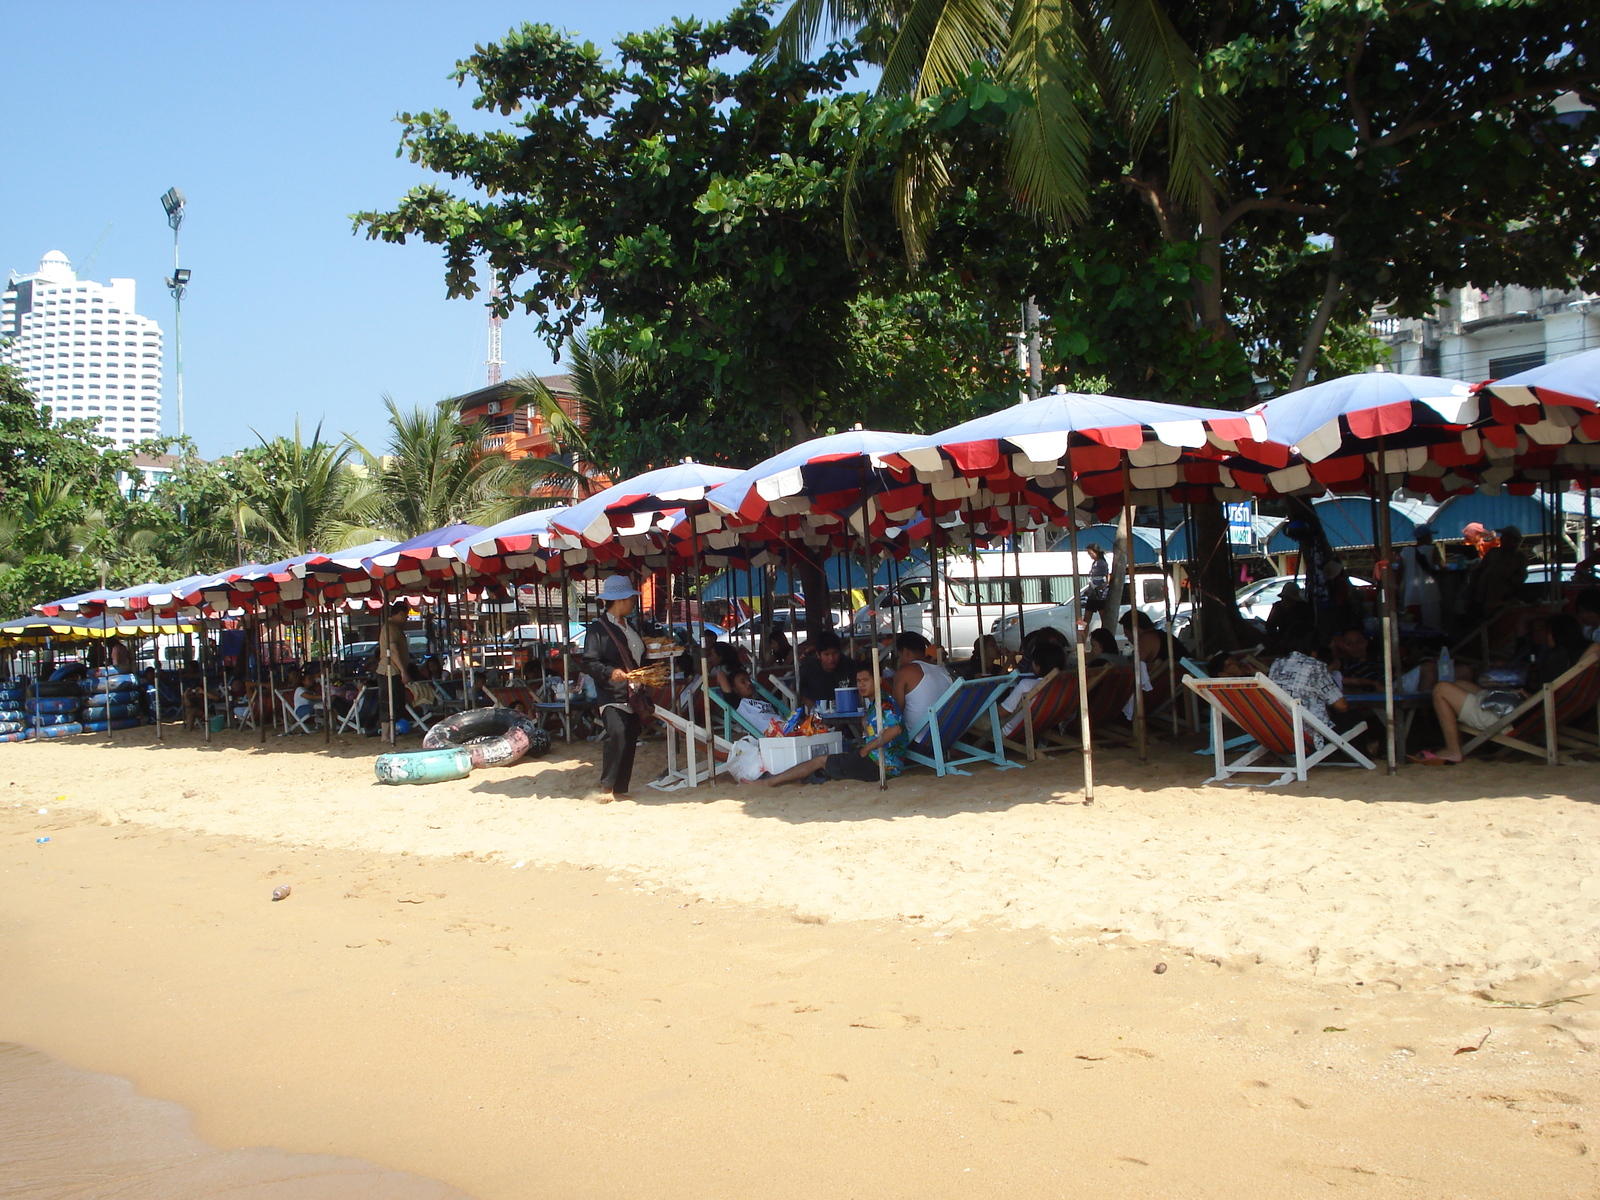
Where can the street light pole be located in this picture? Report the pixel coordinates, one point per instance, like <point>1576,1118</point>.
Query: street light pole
<point>173,202</point>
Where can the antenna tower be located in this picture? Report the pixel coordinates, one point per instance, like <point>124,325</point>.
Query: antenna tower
<point>495,362</point>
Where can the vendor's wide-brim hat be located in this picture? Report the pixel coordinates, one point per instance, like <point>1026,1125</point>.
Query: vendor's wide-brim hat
<point>617,587</point>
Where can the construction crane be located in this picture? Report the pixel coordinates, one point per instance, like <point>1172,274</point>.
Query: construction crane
<point>83,267</point>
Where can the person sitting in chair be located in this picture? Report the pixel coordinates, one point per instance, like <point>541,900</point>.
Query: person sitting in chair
<point>1462,703</point>
<point>887,742</point>
<point>918,683</point>
<point>749,703</point>
<point>826,670</point>
<point>1310,684</point>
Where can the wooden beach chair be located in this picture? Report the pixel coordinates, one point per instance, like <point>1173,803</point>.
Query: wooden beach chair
<point>1198,671</point>
<point>1282,727</point>
<point>938,737</point>
<point>695,767</point>
<point>1551,714</point>
<point>1051,706</point>
<point>1106,703</point>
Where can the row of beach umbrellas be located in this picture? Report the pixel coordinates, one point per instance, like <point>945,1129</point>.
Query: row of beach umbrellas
<point>1059,460</point>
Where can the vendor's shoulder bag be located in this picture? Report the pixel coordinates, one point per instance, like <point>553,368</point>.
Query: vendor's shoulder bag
<point>643,707</point>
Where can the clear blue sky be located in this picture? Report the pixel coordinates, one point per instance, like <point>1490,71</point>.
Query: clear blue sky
<point>276,120</point>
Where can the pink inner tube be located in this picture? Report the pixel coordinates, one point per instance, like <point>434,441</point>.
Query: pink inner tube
<point>494,737</point>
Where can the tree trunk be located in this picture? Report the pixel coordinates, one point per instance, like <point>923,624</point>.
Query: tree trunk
<point>813,582</point>
<point>1220,623</point>
<point>1111,608</point>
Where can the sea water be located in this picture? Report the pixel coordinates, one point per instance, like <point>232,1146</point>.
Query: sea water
<point>70,1133</point>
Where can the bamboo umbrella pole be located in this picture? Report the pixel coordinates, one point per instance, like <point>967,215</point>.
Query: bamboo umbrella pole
<point>1386,599</point>
<point>1080,637</point>
<point>1141,731</point>
<point>323,619</point>
<point>260,701</point>
<point>705,661</point>
<point>977,591</point>
<point>1166,604</point>
<point>205,682</point>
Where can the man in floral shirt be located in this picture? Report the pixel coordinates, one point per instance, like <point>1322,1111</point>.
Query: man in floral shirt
<point>860,764</point>
<point>1308,680</point>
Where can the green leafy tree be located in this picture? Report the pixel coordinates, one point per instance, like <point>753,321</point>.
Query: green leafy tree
<point>692,197</point>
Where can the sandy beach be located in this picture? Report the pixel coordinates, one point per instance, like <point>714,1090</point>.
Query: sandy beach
<point>949,989</point>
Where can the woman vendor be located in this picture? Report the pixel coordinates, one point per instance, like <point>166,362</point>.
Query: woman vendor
<point>612,646</point>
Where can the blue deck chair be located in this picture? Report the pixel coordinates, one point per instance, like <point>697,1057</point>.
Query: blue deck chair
<point>938,737</point>
<point>731,716</point>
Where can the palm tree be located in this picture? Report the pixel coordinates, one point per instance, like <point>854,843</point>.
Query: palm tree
<point>303,496</point>
<point>1074,59</point>
<point>437,472</point>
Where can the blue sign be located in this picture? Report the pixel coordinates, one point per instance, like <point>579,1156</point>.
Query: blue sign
<point>1242,523</point>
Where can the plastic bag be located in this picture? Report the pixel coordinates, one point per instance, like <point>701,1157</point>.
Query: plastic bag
<point>744,760</point>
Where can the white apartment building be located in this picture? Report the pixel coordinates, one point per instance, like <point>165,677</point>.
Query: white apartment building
<point>83,350</point>
<point>1476,334</point>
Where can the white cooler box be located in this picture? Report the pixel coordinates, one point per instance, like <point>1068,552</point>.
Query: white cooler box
<point>779,754</point>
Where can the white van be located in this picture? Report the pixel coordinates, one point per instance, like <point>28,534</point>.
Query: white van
<point>996,585</point>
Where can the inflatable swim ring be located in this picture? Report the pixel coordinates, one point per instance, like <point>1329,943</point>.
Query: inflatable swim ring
<point>423,766</point>
<point>495,737</point>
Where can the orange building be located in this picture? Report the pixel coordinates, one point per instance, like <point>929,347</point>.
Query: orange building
<point>509,426</point>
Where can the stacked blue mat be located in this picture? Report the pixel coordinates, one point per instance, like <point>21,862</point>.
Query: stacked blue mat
<point>111,701</point>
<point>15,723</point>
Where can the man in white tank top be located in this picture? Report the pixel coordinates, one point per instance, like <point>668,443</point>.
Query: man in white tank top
<point>918,683</point>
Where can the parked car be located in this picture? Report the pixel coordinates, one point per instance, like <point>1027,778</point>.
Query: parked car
<point>1152,590</point>
<point>355,653</point>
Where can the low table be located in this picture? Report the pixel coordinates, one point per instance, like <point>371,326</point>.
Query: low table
<point>1406,707</point>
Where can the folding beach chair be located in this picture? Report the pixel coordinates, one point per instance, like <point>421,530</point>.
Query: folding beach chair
<point>1551,714</point>
<point>1052,704</point>
<point>293,722</point>
<point>939,735</point>
<point>351,721</point>
<point>695,768</point>
<point>1282,727</point>
<point>1106,703</point>
<point>1197,669</point>
<point>731,717</point>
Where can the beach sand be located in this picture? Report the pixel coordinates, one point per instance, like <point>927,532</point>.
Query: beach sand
<point>946,990</point>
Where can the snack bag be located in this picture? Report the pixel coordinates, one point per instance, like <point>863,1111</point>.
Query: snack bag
<point>791,727</point>
<point>775,728</point>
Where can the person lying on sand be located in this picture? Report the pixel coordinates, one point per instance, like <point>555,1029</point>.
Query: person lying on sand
<point>860,764</point>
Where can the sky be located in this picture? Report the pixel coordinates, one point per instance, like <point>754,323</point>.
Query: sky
<point>277,122</point>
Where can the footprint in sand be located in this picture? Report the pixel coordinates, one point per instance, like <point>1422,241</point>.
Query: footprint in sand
<point>1562,1137</point>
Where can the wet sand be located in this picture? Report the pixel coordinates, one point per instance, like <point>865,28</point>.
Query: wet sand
<point>91,1137</point>
<point>601,1024</point>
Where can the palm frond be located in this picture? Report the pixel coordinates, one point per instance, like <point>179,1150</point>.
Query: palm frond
<point>1048,155</point>
<point>937,43</point>
<point>1156,75</point>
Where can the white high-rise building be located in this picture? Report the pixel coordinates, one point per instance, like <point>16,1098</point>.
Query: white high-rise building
<point>83,350</point>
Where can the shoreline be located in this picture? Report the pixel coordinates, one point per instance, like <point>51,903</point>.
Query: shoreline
<point>594,1031</point>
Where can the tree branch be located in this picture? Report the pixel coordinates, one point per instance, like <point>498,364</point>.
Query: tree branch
<point>1274,204</point>
<point>1411,129</point>
<point>1331,295</point>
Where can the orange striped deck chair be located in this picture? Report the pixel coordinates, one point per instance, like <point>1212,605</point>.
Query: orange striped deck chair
<point>1281,727</point>
<point>1051,707</point>
<point>1106,702</point>
<point>1551,715</point>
